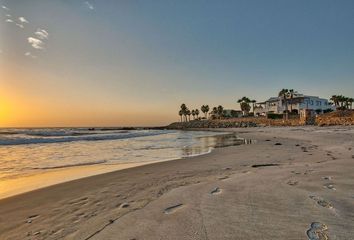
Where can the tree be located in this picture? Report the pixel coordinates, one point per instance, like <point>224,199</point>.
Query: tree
<point>184,111</point>
<point>283,94</point>
<point>205,110</point>
<point>214,112</point>
<point>188,113</point>
<point>180,113</point>
<point>220,111</point>
<point>291,95</point>
<point>253,105</point>
<point>350,101</point>
<point>197,113</point>
<point>335,100</point>
<point>193,114</point>
<point>244,105</point>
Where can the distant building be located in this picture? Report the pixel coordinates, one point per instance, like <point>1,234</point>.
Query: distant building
<point>297,103</point>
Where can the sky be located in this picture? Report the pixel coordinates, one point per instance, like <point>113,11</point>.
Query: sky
<point>132,63</point>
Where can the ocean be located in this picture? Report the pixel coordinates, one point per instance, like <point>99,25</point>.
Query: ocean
<point>26,152</point>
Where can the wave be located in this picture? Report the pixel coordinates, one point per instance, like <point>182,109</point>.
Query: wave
<point>70,138</point>
<point>71,165</point>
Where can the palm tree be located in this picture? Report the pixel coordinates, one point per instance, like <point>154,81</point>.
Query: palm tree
<point>180,113</point>
<point>188,113</point>
<point>193,114</point>
<point>220,111</point>
<point>253,105</point>
<point>350,102</point>
<point>205,110</point>
<point>244,104</point>
<point>184,111</point>
<point>291,95</point>
<point>197,113</point>
<point>214,111</point>
<point>335,100</point>
<point>284,93</point>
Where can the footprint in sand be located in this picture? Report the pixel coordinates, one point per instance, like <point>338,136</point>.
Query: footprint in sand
<point>292,182</point>
<point>173,208</point>
<point>329,186</point>
<point>216,190</point>
<point>317,231</point>
<point>31,218</point>
<point>322,202</point>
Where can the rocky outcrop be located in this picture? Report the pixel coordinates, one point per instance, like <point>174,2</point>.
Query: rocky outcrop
<point>336,118</point>
<point>234,123</point>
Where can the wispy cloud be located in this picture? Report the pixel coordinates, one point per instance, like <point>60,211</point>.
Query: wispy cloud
<point>4,7</point>
<point>19,25</point>
<point>36,43</point>
<point>9,20</point>
<point>89,5</point>
<point>29,54</point>
<point>22,20</point>
<point>41,33</point>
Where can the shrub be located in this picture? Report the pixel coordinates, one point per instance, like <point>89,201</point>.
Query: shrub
<point>274,116</point>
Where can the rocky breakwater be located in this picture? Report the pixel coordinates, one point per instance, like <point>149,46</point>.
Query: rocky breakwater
<point>213,124</point>
<point>336,118</point>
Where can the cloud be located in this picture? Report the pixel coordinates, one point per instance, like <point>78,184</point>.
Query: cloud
<point>41,33</point>
<point>9,20</point>
<point>89,5</point>
<point>8,15</point>
<point>36,43</point>
<point>19,25</point>
<point>4,7</point>
<point>22,19</point>
<point>29,54</point>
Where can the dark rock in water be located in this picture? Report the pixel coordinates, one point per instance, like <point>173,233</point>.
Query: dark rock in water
<point>278,144</point>
<point>265,165</point>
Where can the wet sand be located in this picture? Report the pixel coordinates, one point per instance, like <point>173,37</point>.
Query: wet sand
<point>294,183</point>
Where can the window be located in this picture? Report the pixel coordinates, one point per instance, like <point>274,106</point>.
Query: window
<point>311,102</point>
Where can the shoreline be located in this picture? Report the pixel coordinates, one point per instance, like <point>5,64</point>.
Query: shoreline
<point>49,177</point>
<point>130,203</point>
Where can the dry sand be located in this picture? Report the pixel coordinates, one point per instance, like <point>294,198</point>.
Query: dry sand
<point>294,183</point>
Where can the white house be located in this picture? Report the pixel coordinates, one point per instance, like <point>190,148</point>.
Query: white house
<point>295,104</point>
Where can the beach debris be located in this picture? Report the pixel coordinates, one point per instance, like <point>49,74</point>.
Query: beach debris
<point>215,191</point>
<point>173,208</point>
<point>124,205</point>
<point>265,165</point>
<point>317,231</point>
<point>278,144</point>
<point>292,182</point>
<point>321,202</point>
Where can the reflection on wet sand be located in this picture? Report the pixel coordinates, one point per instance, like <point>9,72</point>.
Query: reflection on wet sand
<point>205,144</point>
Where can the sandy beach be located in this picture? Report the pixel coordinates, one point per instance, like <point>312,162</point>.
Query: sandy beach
<point>292,183</point>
